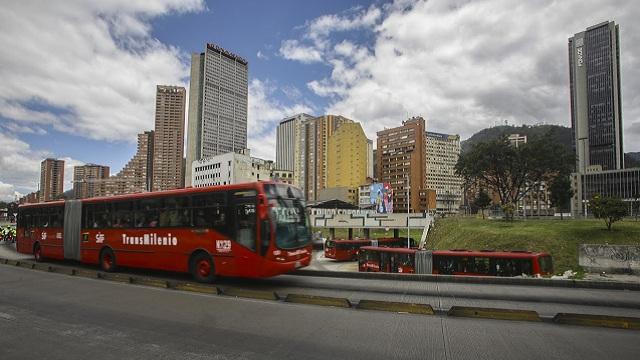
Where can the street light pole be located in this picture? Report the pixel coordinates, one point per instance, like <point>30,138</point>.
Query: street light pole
<point>408,197</point>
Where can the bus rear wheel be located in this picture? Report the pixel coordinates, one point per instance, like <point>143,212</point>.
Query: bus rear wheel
<point>107,260</point>
<point>202,268</point>
<point>37,252</point>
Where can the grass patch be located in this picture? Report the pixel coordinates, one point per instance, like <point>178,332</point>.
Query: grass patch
<point>559,238</point>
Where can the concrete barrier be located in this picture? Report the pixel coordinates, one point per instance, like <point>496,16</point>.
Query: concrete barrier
<point>496,314</point>
<point>582,284</point>
<point>423,309</point>
<point>251,294</point>
<point>114,277</point>
<point>610,258</point>
<point>27,264</point>
<point>204,289</point>
<point>85,273</point>
<point>150,282</point>
<point>617,322</point>
<point>318,300</point>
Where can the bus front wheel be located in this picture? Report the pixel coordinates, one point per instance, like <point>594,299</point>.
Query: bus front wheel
<point>202,268</point>
<point>107,260</point>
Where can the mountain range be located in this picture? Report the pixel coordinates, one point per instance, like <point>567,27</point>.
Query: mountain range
<point>561,134</point>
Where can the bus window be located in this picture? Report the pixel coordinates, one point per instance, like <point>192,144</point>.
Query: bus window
<point>546,266</point>
<point>99,215</point>
<point>57,217</point>
<point>482,265</point>
<point>209,210</point>
<point>122,214</point>
<point>148,213</point>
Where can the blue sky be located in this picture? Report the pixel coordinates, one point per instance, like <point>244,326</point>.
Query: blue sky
<point>79,81</point>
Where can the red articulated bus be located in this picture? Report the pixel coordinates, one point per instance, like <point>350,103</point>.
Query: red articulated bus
<point>256,229</point>
<point>347,250</point>
<point>454,262</point>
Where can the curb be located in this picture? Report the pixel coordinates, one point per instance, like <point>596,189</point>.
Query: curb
<point>582,284</point>
<point>250,294</point>
<point>149,282</point>
<point>616,322</point>
<point>318,300</point>
<point>114,277</point>
<point>399,307</point>
<point>196,288</point>
<point>491,313</point>
<point>85,273</point>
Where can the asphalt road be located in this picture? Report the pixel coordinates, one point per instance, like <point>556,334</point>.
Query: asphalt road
<point>53,316</point>
<point>547,301</point>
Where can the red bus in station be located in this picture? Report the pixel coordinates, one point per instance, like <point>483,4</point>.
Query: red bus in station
<point>454,262</point>
<point>256,229</point>
<point>347,249</point>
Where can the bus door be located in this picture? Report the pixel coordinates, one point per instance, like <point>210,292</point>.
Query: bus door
<point>244,222</point>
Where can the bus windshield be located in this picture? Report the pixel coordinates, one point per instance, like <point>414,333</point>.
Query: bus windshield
<point>290,217</point>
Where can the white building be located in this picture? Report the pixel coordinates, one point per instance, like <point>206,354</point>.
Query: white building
<point>364,197</point>
<point>443,151</point>
<point>230,168</point>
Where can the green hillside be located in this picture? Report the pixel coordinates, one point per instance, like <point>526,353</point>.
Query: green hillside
<point>559,238</point>
<point>559,133</point>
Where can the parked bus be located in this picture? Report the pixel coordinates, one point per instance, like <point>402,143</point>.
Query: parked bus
<point>347,249</point>
<point>247,230</point>
<point>454,262</point>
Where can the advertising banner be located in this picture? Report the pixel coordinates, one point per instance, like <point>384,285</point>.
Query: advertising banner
<point>382,197</point>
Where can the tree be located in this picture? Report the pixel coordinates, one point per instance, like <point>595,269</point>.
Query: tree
<point>560,193</point>
<point>609,209</point>
<point>512,172</point>
<point>482,201</point>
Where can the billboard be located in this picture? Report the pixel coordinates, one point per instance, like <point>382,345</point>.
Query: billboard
<point>382,197</point>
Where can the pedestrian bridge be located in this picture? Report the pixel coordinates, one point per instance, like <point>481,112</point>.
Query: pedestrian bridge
<point>370,220</point>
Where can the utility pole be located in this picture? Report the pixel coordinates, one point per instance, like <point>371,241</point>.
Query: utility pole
<point>408,197</point>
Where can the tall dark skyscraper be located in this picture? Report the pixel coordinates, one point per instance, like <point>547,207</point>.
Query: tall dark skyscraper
<point>596,105</point>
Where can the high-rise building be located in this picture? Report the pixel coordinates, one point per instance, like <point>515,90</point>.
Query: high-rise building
<point>217,105</point>
<point>443,151</point>
<point>291,147</point>
<point>317,132</point>
<point>51,179</point>
<point>348,159</point>
<point>401,162</point>
<point>596,104</point>
<point>87,180</point>
<point>168,143</point>
<point>137,174</point>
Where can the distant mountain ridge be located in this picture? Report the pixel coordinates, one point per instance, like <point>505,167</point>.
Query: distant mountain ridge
<point>632,159</point>
<point>561,134</point>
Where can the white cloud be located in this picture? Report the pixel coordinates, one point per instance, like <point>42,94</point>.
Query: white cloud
<point>264,115</point>
<point>261,55</point>
<point>8,193</point>
<point>316,36</point>
<point>20,166</point>
<point>465,65</point>
<point>80,66</point>
<point>293,50</point>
